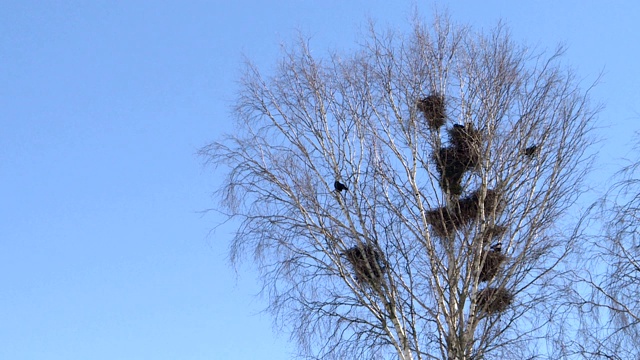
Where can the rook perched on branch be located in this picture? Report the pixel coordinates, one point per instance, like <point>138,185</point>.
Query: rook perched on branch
<point>339,186</point>
<point>531,150</point>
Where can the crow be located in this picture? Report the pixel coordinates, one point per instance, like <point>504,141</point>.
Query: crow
<point>340,186</point>
<point>531,150</point>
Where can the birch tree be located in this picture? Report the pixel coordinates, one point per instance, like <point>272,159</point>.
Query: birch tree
<point>402,201</point>
<point>609,292</point>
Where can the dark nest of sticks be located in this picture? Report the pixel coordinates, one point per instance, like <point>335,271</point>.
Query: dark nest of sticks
<point>463,155</point>
<point>494,300</point>
<point>433,108</point>
<point>468,208</point>
<point>492,263</point>
<point>451,164</point>
<point>468,142</point>
<point>465,136</point>
<point>367,263</point>
<point>442,221</point>
<point>445,221</point>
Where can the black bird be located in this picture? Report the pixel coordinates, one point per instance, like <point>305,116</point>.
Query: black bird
<point>531,150</point>
<point>339,186</point>
<point>497,247</point>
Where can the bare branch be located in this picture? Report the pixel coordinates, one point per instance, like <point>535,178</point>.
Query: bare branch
<point>392,200</point>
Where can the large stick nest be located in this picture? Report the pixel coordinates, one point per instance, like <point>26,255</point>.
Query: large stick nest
<point>445,221</point>
<point>493,300</point>
<point>462,155</point>
<point>433,108</point>
<point>492,263</point>
<point>468,140</point>
<point>470,207</point>
<point>451,164</point>
<point>367,263</point>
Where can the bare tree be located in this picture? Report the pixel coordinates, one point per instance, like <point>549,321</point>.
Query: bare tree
<point>401,201</point>
<point>609,292</point>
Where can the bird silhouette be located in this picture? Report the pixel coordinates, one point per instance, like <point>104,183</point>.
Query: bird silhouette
<point>531,150</point>
<point>339,186</point>
<point>497,247</point>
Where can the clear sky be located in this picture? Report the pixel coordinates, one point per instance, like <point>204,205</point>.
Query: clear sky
<point>104,253</point>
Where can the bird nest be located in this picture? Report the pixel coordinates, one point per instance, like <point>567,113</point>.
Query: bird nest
<point>492,263</point>
<point>451,164</point>
<point>433,108</point>
<point>367,263</point>
<point>468,142</point>
<point>470,207</point>
<point>445,221</point>
<point>442,221</point>
<point>465,136</point>
<point>494,300</point>
<point>461,156</point>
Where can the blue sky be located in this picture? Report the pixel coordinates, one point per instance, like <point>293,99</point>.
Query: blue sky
<point>104,253</point>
